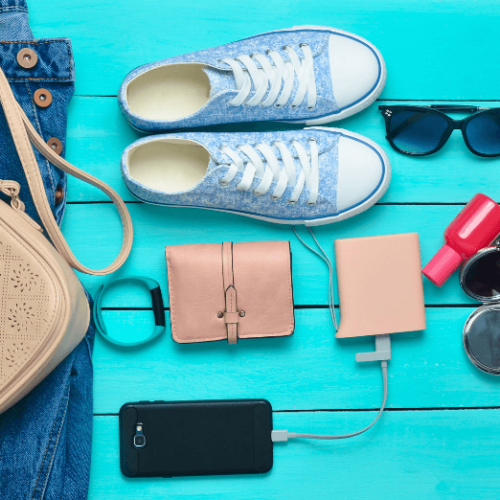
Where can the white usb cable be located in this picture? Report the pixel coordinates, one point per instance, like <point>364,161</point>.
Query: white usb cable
<point>284,435</point>
<point>382,353</point>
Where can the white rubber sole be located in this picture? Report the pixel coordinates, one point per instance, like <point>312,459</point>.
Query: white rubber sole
<point>359,106</point>
<point>384,184</point>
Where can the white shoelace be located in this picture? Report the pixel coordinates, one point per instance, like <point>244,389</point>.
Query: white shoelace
<point>271,171</point>
<point>273,77</point>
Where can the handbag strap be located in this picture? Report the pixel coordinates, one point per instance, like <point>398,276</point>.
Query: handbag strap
<point>22,133</point>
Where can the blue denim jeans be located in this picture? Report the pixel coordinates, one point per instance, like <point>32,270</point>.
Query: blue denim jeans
<point>45,439</point>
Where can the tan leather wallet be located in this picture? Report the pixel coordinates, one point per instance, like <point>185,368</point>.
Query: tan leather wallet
<point>230,291</point>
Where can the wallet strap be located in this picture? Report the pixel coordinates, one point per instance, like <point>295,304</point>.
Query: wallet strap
<point>231,314</point>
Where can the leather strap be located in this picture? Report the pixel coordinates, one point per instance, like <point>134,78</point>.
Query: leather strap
<point>231,314</point>
<point>23,132</point>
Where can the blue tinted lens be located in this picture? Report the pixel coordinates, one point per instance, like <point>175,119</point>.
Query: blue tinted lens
<point>415,131</point>
<point>483,133</point>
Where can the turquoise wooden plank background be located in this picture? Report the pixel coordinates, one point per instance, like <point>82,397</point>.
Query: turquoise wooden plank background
<point>438,439</point>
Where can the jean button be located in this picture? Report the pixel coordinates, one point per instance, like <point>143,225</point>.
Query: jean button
<point>55,144</point>
<point>43,98</point>
<point>59,195</point>
<point>27,58</point>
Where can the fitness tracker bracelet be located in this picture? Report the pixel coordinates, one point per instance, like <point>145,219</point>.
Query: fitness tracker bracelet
<point>158,310</point>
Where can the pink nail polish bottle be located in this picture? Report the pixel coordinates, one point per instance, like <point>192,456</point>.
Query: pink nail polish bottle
<point>474,228</point>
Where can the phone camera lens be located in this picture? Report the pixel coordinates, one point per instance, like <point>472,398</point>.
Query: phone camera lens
<point>139,438</point>
<point>139,441</point>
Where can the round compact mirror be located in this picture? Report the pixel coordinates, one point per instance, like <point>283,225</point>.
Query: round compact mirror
<point>480,279</point>
<point>480,275</point>
<point>482,339</point>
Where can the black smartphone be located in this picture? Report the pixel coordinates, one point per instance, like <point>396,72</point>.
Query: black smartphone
<point>195,438</point>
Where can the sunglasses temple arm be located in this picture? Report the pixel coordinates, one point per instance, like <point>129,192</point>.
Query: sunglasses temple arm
<point>451,108</point>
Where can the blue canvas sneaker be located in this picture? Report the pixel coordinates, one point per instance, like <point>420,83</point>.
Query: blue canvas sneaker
<point>309,75</point>
<point>312,176</point>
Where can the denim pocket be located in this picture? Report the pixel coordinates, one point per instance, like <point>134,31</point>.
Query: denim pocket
<point>53,72</point>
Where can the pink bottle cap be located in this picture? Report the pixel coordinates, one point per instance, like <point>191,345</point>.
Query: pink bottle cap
<point>442,265</point>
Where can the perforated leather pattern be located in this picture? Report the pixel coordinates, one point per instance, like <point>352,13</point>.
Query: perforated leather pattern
<point>27,305</point>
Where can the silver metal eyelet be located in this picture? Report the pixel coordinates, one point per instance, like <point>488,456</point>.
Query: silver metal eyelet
<point>310,204</point>
<point>274,198</point>
<point>224,183</point>
<point>311,108</point>
<point>313,139</point>
<point>256,194</point>
<point>303,45</point>
<point>291,202</point>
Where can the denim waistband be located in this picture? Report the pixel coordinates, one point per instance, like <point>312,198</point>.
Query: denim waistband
<point>14,5</point>
<point>55,60</point>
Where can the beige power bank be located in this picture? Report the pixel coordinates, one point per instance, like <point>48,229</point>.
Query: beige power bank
<point>380,285</point>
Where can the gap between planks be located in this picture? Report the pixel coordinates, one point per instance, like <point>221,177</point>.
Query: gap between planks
<point>361,410</point>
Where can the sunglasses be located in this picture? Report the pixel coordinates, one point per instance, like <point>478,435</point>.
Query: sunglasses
<point>421,131</point>
<point>480,279</point>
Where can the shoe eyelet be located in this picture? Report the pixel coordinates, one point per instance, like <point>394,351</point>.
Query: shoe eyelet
<point>311,108</point>
<point>293,106</point>
<point>291,202</point>
<point>256,194</point>
<point>285,47</point>
<point>310,204</point>
<point>274,198</point>
<point>303,45</point>
<point>278,105</point>
<point>223,183</point>
<point>313,139</point>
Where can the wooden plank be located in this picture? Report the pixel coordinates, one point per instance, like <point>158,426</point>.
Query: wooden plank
<point>93,232</point>
<point>98,135</point>
<point>427,45</point>
<point>410,455</point>
<point>308,370</point>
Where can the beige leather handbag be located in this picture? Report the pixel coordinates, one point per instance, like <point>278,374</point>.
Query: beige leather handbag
<point>44,312</point>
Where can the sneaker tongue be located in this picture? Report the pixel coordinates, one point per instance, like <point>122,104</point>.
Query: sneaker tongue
<point>219,80</point>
